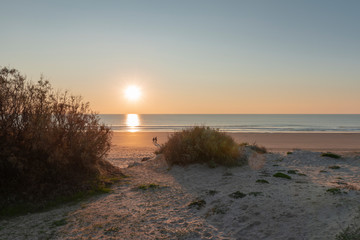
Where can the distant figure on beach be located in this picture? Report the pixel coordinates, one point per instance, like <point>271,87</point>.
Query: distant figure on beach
<point>154,140</point>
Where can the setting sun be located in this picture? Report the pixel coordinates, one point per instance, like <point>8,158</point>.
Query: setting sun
<point>132,93</point>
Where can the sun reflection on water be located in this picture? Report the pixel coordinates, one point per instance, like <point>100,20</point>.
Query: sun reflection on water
<point>132,122</point>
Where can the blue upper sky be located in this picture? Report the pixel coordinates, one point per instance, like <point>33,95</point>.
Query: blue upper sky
<point>191,56</point>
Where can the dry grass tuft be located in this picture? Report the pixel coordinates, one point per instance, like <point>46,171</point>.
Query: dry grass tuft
<point>202,145</point>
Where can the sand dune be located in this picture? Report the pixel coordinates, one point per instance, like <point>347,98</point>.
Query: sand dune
<point>198,202</point>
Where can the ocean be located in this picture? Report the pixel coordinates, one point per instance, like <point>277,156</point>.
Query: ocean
<point>257,123</point>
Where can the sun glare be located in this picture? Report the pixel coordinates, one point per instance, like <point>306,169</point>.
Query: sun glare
<point>132,93</point>
<point>132,122</point>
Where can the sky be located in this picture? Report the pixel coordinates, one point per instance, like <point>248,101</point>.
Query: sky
<point>198,56</point>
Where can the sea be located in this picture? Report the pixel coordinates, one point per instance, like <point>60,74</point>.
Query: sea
<point>251,123</point>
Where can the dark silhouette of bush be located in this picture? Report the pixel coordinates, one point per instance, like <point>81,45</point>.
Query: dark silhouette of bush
<point>202,145</point>
<point>50,142</point>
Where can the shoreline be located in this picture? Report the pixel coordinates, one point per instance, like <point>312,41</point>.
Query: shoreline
<point>276,142</point>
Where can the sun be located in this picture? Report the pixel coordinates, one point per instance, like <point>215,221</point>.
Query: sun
<point>132,93</point>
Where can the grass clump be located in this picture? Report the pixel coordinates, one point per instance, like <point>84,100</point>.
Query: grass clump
<point>334,167</point>
<point>289,153</point>
<point>237,195</point>
<point>334,191</point>
<point>212,192</point>
<point>350,233</point>
<point>262,181</point>
<point>292,171</point>
<point>51,143</point>
<point>148,186</point>
<point>330,155</point>
<point>202,145</point>
<point>281,175</point>
<point>59,223</point>
<point>197,203</point>
<point>255,194</point>
<point>254,147</point>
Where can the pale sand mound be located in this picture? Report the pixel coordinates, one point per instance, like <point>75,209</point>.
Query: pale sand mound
<point>299,208</point>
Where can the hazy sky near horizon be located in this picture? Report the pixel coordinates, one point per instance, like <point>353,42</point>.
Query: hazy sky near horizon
<point>198,56</point>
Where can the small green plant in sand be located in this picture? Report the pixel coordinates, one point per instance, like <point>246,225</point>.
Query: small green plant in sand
<point>334,190</point>
<point>350,233</point>
<point>254,147</point>
<point>212,192</point>
<point>255,194</point>
<point>59,223</point>
<point>148,186</point>
<point>262,181</point>
<point>334,167</point>
<point>292,171</point>
<point>217,209</point>
<point>323,171</point>
<point>301,174</point>
<point>330,155</point>
<point>281,175</point>
<point>197,203</point>
<point>237,195</point>
<point>289,153</point>
<point>202,145</point>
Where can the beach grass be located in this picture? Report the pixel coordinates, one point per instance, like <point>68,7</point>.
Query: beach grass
<point>281,175</point>
<point>331,155</point>
<point>202,144</point>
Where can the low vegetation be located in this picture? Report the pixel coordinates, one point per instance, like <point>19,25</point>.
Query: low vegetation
<point>281,175</point>
<point>148,186</point>
<point>197,203</point>
<point>330,155</point>
<point>51,143</point>
<point>254,147</point>
<point>262,181</point>
<point>334,190</point>
<point>202,145</point>
<point>292,171</point>
<point>350,233</point>
<point>237,195</point>
<point>334,167</point>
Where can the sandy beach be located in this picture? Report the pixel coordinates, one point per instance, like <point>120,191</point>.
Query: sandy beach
<point>338,142</point>
<point>198,202</point>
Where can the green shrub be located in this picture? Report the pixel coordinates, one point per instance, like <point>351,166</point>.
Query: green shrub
<point>334,167</point>
<point>237,195</point>
<point>334,190</point>
<point>262,181</point>
<point>350,233</point>
<point>330,155</point>
<point>281,175</point>
<point>292,171</point>
<point>202,145</point>
<point>197,203</point>
<point>148,186</point>
<point>50,141</point>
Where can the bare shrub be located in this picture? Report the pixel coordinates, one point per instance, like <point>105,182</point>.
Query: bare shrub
<point>201,145</point>
<point>49,141</point>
